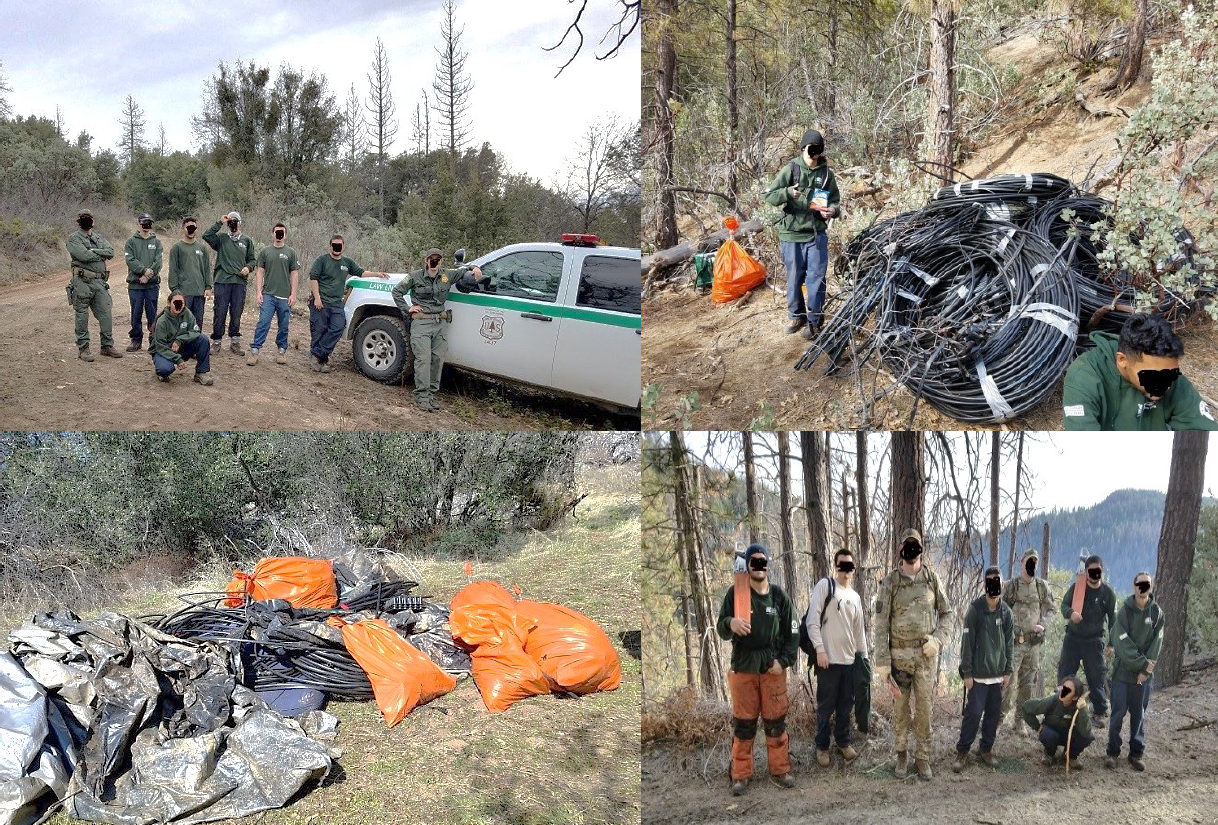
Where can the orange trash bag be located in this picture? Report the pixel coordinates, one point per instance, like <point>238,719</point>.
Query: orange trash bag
<point>484,613</point>
<point>736,272</point>
<point>483,592</point>
<point>402,676</point>
<point>571,649</point>
<point>300,581</point>
<point>505,674</point>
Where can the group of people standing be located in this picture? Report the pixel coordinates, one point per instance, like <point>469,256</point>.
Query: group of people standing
<point>1000,650</point>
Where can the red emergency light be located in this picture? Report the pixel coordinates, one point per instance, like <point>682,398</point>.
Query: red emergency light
<point>576,239</point>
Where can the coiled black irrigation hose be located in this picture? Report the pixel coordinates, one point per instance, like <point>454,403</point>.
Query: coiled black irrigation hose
<point>974,300</point>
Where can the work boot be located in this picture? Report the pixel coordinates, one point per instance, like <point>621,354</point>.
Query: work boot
<point>84,355</point>
<point>989,759</point>
<point>235,345</point>
<point>204,379</point>
<point>252,358</point>
<point>808,333</point>
<point>902,769</point>
<point>822,758</point>
<point>960,761</point>
<point>433,405</point>
<point>1136,762</point>
<point>424,404</point>
<point>215,347</point>
<point>315,364</point>
<point>738,787</point>
<point>924,772</point>
<point>135,346</point>
<point>111,352</point>
<point>1076,764</point>
<point>796,325</point>
<point>848,753</point>
<point>785,780</point>
<point>160,377</point>
<point>1110,763</point>
<point>281,357</point>
<point>1048,759</point>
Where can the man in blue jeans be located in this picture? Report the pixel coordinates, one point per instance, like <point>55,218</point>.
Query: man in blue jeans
<point>1137,638</point>
<point>806,189</point>
<point>176,338</point>
<point>143,254</point>
<point>275,283</point>
<point>328,286</point>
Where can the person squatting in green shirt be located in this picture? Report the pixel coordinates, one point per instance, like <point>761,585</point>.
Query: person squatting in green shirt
<point>143,254</point>
<point>176,339</point>
<point>190,268</point>
<point>328,289</point>
<point>1051,718</point>
<point>275,283</point>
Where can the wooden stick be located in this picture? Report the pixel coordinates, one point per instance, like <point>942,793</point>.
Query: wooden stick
<point>1078,705</point>
<point>1201,723</point>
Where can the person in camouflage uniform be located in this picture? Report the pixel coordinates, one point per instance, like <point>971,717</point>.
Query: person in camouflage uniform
<point>913,621</point>
<point>1030,601</point>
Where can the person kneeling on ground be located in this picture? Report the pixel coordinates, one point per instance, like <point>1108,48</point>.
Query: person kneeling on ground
<point>1050,717</point>
<point>1133,382</point>
<point>176,338</point>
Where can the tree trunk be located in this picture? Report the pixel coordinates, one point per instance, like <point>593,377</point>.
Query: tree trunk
<point>941,92</point>
<point>863,576</point>
<point>1177,541</point>
<point>750,488</point>
<point>790,560</point>
<point>685,537</point>
<point>1015,517</point>
<point>831,62</point>
<point>1135,44</point>
<point>814,504</point>
<point>666,214</point>
<point>908,486</point>
<point>733,110</point>
<point>995,460</point>
<point>1045,549</point>
<point>830,537</point>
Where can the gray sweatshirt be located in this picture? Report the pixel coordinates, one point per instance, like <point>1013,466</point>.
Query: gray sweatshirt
<point>842,635</point>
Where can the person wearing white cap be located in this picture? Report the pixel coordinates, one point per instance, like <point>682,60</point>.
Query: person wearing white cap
<point>234,263</point>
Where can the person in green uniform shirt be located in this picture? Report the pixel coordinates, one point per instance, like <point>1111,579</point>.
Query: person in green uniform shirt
<point>420,296</point>
<point>763,647</point>
<point>176,338</point>
<point>1051,718</point>
<point>1137,639</point>
<point>1086,633</point>
<point>327,291</point>
<point>89,289</point>
<point>190,268</point>
<point>275,283</point>
<point>143,254</point>
<point>1133,382</point>
<point>234,263</point>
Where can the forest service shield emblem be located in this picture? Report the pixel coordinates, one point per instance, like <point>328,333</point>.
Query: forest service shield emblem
<point>492,327</point>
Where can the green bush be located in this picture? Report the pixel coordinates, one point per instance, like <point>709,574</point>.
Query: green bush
<point>168,186</point>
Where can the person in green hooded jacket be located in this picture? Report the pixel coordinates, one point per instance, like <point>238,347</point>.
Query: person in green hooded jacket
<point>143,254</point>
<point>806,189</point>
<point>1133,382</point>
<point>1137,639</point>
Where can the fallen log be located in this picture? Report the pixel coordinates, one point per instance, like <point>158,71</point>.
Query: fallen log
<point>664,258</point>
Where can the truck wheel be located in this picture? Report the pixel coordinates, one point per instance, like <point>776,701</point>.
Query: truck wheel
<point>381,349</point>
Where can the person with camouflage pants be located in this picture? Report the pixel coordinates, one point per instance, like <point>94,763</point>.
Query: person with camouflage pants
<point>913,622</point>
<point>89,289</point>
<point>1032,605</point>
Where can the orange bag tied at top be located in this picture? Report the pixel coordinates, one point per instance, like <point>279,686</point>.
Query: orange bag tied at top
<point>736,272</point>
<point>402,676</point>
<point>300,581</point>
<point>484,617</point>
<point>571,649</point>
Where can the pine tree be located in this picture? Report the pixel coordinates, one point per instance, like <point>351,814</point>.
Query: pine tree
<point>452,85</point>
<point>382,123</point>
<point>132,121</point>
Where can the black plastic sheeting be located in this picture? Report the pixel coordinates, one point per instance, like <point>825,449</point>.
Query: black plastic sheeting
<point>151,728</point>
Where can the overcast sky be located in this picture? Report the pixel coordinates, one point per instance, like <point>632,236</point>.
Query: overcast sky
<point>86,56</point>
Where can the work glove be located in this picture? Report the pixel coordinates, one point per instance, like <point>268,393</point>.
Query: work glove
<point>931,648</point>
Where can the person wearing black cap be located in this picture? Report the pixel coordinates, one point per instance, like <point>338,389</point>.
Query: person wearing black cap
<point>420,296</point>
<point>986,652</point>
<point>89,289</point>
<point>143,254</point>
<point>806,189</point>
<point>763,647</point>
<point>1087,632</point>
<point>190,268</point>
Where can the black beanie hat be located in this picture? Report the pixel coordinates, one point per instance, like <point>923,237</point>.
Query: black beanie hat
<point>813,139</point>
<point>754,549</point>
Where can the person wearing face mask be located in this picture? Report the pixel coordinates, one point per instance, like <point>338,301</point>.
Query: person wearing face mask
<point>421,296</point>
<point>190,268</point>
<point>763,647</point>
<point>1032,607</point>
<point>89,289</point>
<point>1137,638</point>
<point>835,625</point>
<point>1133,382</point>
<point>913,622</point>
<point>1086,633</point>
<point>143,253</point>
<point>176,338</point>
<point>234,263</point>
<point>276,296</point>
<point>1051,717</point>
<point>806,189</point>
<point>328,286</point>
<point>986,653</point>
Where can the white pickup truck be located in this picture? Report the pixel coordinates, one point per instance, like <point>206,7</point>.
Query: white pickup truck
<point>563,317</point>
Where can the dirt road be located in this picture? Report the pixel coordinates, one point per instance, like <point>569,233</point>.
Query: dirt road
<point>43,385</point>
<point>1178,786</point>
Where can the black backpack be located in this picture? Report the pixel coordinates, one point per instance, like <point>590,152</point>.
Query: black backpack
<point>805,641</point>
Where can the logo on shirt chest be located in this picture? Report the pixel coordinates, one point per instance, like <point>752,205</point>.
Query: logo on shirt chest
<point>770,611</point>
<point>198,251</point>
<point>343,267</point>
<point>283,256</point>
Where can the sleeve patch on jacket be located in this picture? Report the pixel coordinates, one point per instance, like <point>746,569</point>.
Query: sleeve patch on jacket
<point>1124,635</point>
<point>1076,411</point>
<point>1205,410</point>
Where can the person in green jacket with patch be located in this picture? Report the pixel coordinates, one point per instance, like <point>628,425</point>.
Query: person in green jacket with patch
<point>1137,638</point>
<point>806,189</point>
<point>234,263</point>
<point>1133,382</point>
<point>986,652</point>
<point>176,338</point>
<point>1051,718</point>
<point>143,254</point>
<point>89,288</point>
<point>763,647</point>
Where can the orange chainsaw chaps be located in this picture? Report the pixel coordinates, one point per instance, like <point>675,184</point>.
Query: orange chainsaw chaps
<point>736,272</point>
<point>571,649</point>
<point>402,676</point>
<point>302,582</point>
